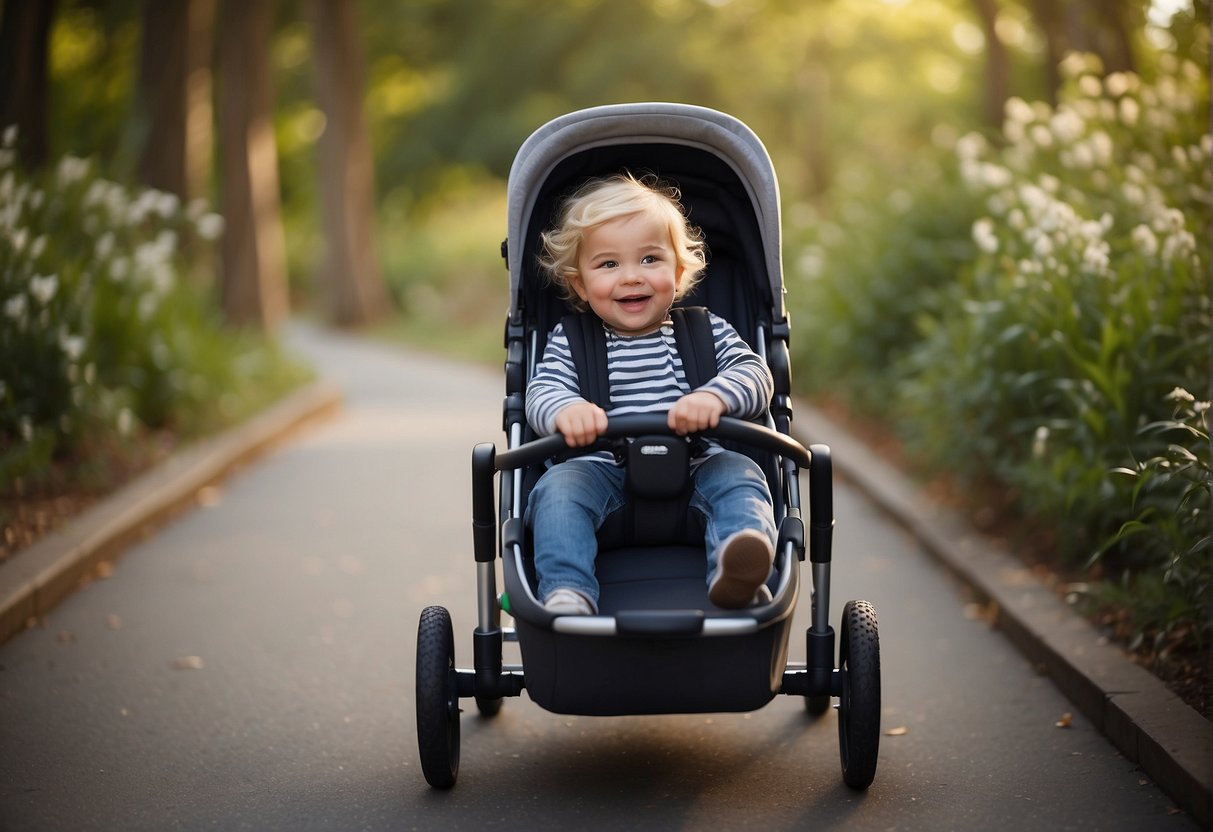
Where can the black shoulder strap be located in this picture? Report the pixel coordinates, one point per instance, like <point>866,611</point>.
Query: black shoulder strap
<point>696,346</point>
<point>587,343</point>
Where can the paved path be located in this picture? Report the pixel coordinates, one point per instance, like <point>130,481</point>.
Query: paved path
<point>250,667</point>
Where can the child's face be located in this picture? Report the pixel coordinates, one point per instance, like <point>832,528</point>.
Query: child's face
<point>628,273</point>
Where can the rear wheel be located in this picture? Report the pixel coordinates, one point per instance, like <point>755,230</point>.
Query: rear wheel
<point>859,704</point>
<point>437,698</point>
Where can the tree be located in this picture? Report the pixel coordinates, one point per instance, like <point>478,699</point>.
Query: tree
<point>355,289</point>
<point>175,96</point>
<point>24,49</point>
<point>998,66</point>
<point>253,288</point>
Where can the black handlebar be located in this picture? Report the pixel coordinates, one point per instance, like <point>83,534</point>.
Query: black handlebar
<point>736,430</point>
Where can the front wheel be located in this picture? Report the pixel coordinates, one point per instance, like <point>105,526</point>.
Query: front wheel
<point>859,704</point>
<point>437,698</point>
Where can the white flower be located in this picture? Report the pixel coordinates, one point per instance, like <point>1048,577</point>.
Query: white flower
<point>210,226</point>
<point>10,136</point>
<point>37,247</point>
<point>1018,110</point>
<point>15,307</point>
<point>1180,395</point>
<point>1041,136</point>
<point>1095,258</point>
<point>1043,247</point>
<point>72,345</point>
<point>984,236</point>
<point>1101,145</point>
<point>104,246</point>
<point>167,204</point>
<point>43,288</point>
<point>1117,84</point>
<point>1129,111</point>
<point>1066,125</point>
<point>1144,241</point>
<point>1040,442</point>
<point>970,146</point>
<point>71,170</point>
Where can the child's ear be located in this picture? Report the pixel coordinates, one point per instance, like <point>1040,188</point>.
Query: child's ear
<point>578,286</point>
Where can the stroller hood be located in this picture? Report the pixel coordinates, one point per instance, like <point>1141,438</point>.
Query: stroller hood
<point>545,168</point>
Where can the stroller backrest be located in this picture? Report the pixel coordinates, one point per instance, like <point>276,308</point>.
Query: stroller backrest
<point>728,189</point>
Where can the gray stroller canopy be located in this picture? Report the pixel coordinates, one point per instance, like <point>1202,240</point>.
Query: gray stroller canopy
<point>679,131</point>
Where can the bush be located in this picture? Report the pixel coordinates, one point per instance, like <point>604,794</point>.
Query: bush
<point>100,335</point>
<point>1046,364</point>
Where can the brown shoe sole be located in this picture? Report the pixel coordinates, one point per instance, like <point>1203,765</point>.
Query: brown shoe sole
<point>743,567</point>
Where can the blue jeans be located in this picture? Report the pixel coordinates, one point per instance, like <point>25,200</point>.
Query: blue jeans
<point>573,499</point>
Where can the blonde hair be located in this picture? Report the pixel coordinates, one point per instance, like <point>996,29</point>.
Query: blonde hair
<point>608,198</point>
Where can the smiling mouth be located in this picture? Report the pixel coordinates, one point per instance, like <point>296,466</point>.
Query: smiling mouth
<point>633,300</point>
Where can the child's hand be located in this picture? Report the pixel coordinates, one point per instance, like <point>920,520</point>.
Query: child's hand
<point>581,423</point>
<point>695,412</point>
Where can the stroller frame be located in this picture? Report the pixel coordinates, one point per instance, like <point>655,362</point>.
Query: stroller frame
<point>670,651</point>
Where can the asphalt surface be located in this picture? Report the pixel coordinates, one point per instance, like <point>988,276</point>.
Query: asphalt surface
<point>249,665</point>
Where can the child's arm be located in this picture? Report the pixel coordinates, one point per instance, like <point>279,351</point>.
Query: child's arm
<point>742,387</point>
<point>581,423</point>
<point>553,398</point>
<point>696,411</point>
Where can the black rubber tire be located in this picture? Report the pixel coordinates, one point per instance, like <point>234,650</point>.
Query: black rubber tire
<point>437,698</point>
<point>859,704</point>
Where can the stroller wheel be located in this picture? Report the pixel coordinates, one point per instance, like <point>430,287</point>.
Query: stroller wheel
<point>437,698</point>
<point>859,705</point>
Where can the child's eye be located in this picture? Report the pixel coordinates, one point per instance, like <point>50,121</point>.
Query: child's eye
<point>649,259</point>
<point>607,264</point>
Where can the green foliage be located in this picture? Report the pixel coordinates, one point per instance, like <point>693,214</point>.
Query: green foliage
<point>444,270</point>
<point>1046,364</point>
<point>1170,530</point>
<point>863,284</point>
<point>99,332</point>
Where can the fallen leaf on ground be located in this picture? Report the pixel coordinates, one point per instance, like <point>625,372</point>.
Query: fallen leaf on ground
<point>899,731</point>
<point>114,622</point>
<point>188,663</point>
<point>1067,719</point>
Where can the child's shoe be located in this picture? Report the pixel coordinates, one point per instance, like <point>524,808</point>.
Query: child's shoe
<point>567,602</point>
<point>745,561</point>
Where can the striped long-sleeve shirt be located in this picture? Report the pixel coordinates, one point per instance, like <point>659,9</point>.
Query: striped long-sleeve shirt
<point>646,376</point>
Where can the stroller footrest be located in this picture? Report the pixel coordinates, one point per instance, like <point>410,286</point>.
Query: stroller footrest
<point>659,622</point>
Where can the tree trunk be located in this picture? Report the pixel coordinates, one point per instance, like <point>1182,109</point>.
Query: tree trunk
<point>1049,19</point>
<point>24,51</point>
<point>254,289</point>
<point>354,286</point>
<point>998,65</point>
<point>175,95</point>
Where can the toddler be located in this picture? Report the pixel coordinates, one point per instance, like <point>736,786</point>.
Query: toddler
<point>623,248</point>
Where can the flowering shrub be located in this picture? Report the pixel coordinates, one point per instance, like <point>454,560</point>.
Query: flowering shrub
<point>1046,364</point>
<point>1089,301</point>
<point>99,333</point>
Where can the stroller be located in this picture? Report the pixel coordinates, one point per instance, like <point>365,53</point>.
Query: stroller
<point>657,645</point>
